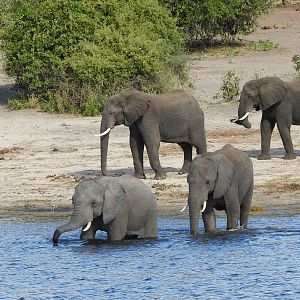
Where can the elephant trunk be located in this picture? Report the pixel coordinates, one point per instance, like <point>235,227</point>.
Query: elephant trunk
<point>194,212</point>
<point>105,126</point>
<point>104,148</point>
<point>243,112</point>
<point>76,221</point>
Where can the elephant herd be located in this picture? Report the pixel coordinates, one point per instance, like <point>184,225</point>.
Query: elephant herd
<point>125,207</point>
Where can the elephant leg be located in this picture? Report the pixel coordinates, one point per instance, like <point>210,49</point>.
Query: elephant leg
<point>117,229</point>
<point>187,150</point>
<point>137,149</point>
<point>150,229</point>
<point>245,207</point>
<point>232,208</point>
<point>284,128</point>
<point>266,128</point>
<point>198,141</point>
<point>151,135</point>
<point>209,218</point>
<point>153,150</point>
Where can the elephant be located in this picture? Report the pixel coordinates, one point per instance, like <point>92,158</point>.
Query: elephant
<point>174,117</point>
<point>124,207</point>
<point>221,180</point>
<point>279,102</point>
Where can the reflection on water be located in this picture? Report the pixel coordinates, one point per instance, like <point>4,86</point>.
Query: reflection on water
<point>262,262</point>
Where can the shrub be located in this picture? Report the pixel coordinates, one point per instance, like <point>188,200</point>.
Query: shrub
<point>296,61</point>
<point>230,87</point>
<point>204,20</point>
<point>71,54</point>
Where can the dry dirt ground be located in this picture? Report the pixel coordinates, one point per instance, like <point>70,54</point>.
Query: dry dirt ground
<point>44,156</point>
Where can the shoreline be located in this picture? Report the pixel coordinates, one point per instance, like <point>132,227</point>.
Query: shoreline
<point>43,156</point>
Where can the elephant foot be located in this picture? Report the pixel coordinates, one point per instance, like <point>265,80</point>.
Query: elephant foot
<point>183,171</point>
<point>161,175</point>
<point>264,157</point>
<point>140,176</point>
<point>195,233</point>
<point>290,156</point>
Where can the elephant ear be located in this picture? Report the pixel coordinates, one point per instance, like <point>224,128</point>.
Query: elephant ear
<point>272,93</point>
<point>136,105</point>
<point>113,200</point>
<point>225,173</point>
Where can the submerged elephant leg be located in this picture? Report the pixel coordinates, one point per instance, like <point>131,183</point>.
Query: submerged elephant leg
<point>266,128</point>
<point>117,230</point>
<point>137,149</point>
<point>209,219</point>
<point>150,229</point>
<point>187,150</point>
<point>232,207</point>
<point>245,207</point>
<point>284,128</point>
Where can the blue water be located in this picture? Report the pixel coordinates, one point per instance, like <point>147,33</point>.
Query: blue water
<point>262,262</point>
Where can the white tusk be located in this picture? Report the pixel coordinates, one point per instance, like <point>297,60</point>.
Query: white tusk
<point>204,206</point>
<point>244,116</point>
<point>104,133</point>
<point>241,119</point>
<point>183,209</point>
<point>87,227</point>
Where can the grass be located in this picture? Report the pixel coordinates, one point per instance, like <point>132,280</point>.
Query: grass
<point>232,48</point>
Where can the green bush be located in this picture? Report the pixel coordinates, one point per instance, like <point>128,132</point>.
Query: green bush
<point>230,87</point>
<point>204,20</point>
<point>71,54</point>
<point>296,61</point>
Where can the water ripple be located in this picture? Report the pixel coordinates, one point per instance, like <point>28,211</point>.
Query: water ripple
<point>258,263</point>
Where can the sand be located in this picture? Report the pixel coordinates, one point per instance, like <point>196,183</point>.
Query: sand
<point>44,156</point>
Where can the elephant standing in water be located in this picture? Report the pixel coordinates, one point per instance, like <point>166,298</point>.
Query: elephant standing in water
<point>222,180</point>
<point>123,206</point>
<point>279,102</point>
<point>175,117</point>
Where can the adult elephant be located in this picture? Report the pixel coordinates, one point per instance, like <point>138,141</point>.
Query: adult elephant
<point>122,206</point>
<point>175,117</point>
<point>222,180</point>
<point>279,102</point>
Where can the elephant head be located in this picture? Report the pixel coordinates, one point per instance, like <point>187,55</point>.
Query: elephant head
<point>259,94</point>
<point>124,108</point>
<point>91,200</point>
<point>209,176</point>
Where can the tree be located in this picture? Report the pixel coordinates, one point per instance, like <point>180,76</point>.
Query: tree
<point>70,54</point>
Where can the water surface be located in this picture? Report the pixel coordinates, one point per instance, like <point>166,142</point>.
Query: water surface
<point>262,262</point>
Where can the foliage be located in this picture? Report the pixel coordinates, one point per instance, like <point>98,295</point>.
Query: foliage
<point>263,45</point>
<point>71,54</point>
<point>204,20</point>
<point>296,61</point>
<point>233,48</point>
<point>230,87</point>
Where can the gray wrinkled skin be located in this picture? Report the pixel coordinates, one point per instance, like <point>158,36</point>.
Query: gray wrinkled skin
<point>280,104</point>
<point>123,206</point>
<point>224,179</point>
<point>175,117</point>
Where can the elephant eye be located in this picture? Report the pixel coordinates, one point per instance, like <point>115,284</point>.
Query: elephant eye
<point>93,202</point>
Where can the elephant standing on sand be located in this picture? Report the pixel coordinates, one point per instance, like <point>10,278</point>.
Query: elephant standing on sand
<point>175,117</point>
<point>123,206</point>
<point>279,102</point>
<point>222,180</point>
